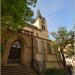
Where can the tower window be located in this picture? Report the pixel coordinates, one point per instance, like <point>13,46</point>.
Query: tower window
<point>42,22</point>
<point>43,48</point>
<point>43,27</point>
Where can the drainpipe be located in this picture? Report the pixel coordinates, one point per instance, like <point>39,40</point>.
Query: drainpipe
<point>43,63</point>
<point>32,51</point>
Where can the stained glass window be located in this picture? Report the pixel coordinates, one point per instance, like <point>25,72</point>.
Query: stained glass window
<point>16,44</point>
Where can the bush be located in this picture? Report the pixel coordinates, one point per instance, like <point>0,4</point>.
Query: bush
<point>54,72</point>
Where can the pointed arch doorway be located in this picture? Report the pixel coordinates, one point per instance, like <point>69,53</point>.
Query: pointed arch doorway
<point>15,52</point>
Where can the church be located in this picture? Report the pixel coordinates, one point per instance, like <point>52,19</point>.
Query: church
<point>31,46</point>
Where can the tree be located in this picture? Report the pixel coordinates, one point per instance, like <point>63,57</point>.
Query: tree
<point>63,39</point>
<point>15,12</point>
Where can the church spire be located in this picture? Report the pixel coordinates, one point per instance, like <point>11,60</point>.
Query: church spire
<point>39,14</point>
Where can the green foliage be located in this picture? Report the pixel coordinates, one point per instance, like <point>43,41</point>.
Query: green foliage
<point>64,38</point>
<point>54,72</point>
<point>15,12</point>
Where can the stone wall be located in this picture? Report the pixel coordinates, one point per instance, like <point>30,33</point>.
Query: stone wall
<point>33,52</point>
<point>26,51</point>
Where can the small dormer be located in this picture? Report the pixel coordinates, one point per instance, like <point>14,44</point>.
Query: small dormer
<point>40,22</point>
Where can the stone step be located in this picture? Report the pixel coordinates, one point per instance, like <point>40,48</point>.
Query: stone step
<point>15,68</point>
<point>18,70</point>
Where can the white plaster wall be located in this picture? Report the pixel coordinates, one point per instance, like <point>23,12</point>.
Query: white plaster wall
<point>37,23</point>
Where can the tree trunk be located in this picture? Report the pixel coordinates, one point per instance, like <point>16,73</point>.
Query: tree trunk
<point>64,62</point>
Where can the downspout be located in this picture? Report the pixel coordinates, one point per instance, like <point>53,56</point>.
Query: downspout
<point>32,50</point>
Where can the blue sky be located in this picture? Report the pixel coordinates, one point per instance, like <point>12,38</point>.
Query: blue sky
<point>57,13</point>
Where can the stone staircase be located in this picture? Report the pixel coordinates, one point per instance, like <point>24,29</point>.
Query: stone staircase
<point>18,70</point>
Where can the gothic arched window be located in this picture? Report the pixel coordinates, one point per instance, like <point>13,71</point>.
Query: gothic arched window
<point>15,52</point>
<point>48,47</point>
<point>16,44</point>
<point>43,46</point>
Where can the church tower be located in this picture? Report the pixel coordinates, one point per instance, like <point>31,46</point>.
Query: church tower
<point>40,23</point>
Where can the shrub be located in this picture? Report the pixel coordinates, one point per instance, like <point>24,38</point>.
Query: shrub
<point>54,72</point>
